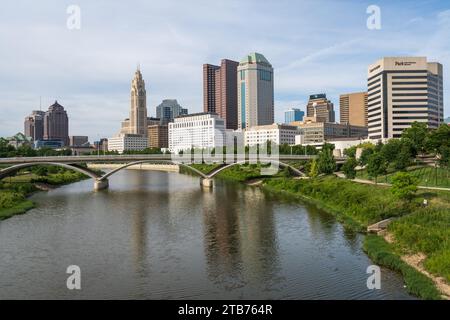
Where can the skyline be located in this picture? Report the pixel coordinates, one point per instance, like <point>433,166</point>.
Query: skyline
<point>89,70</point>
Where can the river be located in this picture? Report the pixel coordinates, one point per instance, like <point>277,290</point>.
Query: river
<point>158,235</point>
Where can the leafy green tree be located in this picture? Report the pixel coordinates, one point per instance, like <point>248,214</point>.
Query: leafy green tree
<point>418,134</point>
<point>349,168</point>
<point>41,171</point>
<point>350,152</point>
<point>376,166</point>
<point>313,169</point>
<point>390,149</point>
<point>404,186</point>
<point>365,156</point>
<point>438,138</point>
<point>403,158</point>
<point>326,163</point>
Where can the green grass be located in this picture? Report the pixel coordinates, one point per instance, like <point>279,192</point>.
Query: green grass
<point>356,205</point>
<point>15,190</point>
<point>384,254</point>
<point>19,208</point>
<point>428,176</point>
<point>426,231</point>
<point>238,173</point>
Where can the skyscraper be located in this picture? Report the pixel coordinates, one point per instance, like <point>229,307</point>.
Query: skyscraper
<point>220,91</point>
<point>168,110</point>
<point>255,91</point>
<point>56,124</point>
<point>292,115</point>
<point>353,108</point>
<point>34,125</point>
<point>402,90</point>
<point>321,108</point>
<point>138,112</point>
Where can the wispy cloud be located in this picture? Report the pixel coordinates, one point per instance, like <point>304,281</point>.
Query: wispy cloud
<point>314,46</point>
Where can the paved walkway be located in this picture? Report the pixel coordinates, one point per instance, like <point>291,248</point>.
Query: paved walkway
<point>358,180</point>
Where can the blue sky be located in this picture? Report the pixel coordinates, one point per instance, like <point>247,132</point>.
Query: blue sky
<point>314,47</point>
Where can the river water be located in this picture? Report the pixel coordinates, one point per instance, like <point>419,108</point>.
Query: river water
<point>158,235</point>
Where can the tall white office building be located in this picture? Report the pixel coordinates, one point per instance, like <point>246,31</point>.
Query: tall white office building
<point>197,130</point>
<point>402,90</point>
<point>255,91</point>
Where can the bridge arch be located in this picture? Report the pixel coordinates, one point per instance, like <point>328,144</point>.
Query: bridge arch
<point>107,175</point>
<point>281,164</point>
<point>7,171</point>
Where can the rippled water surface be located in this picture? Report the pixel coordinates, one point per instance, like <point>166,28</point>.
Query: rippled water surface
<point>158,235</point>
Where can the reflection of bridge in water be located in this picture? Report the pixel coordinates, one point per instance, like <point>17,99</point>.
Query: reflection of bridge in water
<point>101,181</point>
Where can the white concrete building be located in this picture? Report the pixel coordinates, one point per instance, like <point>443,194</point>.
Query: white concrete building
<point>198,130</point>
<point>124,142</point>
<point>402,90</point>
<point>277,133</point>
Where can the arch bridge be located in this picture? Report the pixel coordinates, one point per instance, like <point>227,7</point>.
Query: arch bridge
<point>102,182</point>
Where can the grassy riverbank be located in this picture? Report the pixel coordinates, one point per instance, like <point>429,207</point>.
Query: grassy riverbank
<point>416,229</point>
<point>14,191</point>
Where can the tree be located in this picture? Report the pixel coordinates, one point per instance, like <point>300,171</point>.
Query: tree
<point>439,138</point>
<point>417,133</point>
<point>326,163</point>
<point>390,149</point>
<point>403,158</point>
<point>313,170</point>
<point>41,171</point>
<point>404,186</point>
<point>350,152</point>
<point>365,155</point>
<point>349,168</point>
<point>376,166</point>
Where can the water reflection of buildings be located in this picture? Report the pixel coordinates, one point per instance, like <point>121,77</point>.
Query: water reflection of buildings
<point>239,236</point>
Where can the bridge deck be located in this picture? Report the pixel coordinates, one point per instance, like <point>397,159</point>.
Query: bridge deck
<point>152,157</point>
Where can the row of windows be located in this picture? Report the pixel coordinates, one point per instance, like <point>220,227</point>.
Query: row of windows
<point>374,87</point>
<point>402,83</point>
<point>373,82</point>
<point>265,75</point>
<point>375,98</point>
<point>409,100</point>
<point>410,94</point>
<point>409,77</point>
<point>408,89</point>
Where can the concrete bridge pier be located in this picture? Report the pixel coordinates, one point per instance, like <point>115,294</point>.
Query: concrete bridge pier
<point>101,184</point>
<point>206,183</point>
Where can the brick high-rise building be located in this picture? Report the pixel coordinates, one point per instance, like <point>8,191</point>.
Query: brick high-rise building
<point>353,108</point>
<point>321,108</point>
<point>56,124</point>
<point>158,136</point>
<point>220,91</point>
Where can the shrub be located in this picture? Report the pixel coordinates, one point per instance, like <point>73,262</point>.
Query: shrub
<point>404,186</point>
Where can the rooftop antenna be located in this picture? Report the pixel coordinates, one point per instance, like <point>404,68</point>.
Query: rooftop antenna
<point>40,103</point>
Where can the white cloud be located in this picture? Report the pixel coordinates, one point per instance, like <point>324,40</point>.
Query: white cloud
<point>314,46</point>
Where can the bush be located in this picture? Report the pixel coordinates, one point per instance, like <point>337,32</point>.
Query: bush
<point>349,168</point>
<point>404,186</point>
<point>9,199</point>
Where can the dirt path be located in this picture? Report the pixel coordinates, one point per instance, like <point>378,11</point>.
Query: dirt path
<point>363,181</point>
<point>416,261</point>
